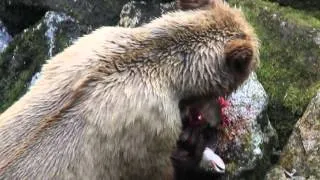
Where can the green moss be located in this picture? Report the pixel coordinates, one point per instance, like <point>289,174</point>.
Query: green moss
<point>26,54</point>
<point>296,16</point>
<point>18,63</point>
<point>232,167</point>
<point>289,60</point>
<point>62,41</point>
<point>247,142</point>
<point>294,99</point>
<point>66,31</point>
<point>288,159</point>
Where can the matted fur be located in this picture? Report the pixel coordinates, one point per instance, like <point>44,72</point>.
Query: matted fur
<point>107,106</point>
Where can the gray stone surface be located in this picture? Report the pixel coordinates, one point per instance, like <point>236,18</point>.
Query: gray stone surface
<point>248,142</point>
<point>23,58</point>
<point>302,153</point>
<point>5,37</point>
<point>55,40</point>
<point>89,12</point>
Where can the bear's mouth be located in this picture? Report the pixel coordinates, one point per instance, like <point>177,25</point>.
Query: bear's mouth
<point>200,119</point>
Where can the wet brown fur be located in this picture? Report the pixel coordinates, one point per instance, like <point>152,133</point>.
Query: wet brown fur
<point>107,106</point>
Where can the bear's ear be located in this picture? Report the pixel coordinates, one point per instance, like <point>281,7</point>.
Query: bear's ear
<point>239,56</point>
<point>194,4</point>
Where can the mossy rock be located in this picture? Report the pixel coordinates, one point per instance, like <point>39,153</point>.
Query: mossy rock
<point>29,50</point>
<point>18,62</point>
<point>96,13</point>
<point>247,144</point>
<point>301,155</point>
<point>289,59</point>
<point>5,37</point>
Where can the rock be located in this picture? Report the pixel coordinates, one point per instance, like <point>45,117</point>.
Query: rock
<point>60,28</point>
<point>302,153</point>
<point>289,56</point>
<point>302,53</point>
<point>21,14</point>
<point>27,52</point>
<point>18,17</point>
<point>136,13</point>
<point>95,13</point>
<point>247,144</point>
<point>316,38</point>
<point>276,173</point>
<point>5,37</point>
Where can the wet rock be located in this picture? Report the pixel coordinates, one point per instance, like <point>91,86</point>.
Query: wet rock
<point>18,17</point>
<point>95,13</point>
<point>5,37</point>
<point>61,31</point>
<point>27,52</point>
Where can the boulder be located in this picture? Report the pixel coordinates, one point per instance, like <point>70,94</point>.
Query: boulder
<point>5,37</point>
<point>27,52</point>
<point>301,156</point>
<point>94,13</point>
<point>289,56</point>
<point>248,143</point>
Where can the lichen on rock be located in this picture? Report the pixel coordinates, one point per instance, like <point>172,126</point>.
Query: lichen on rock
<point>5,37</point>
<point>59,34</point>
<point>24,56</point>
<point>94,13</point>
<point>302,154</point>
<point>289,56</point>
<point>248,142</point>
